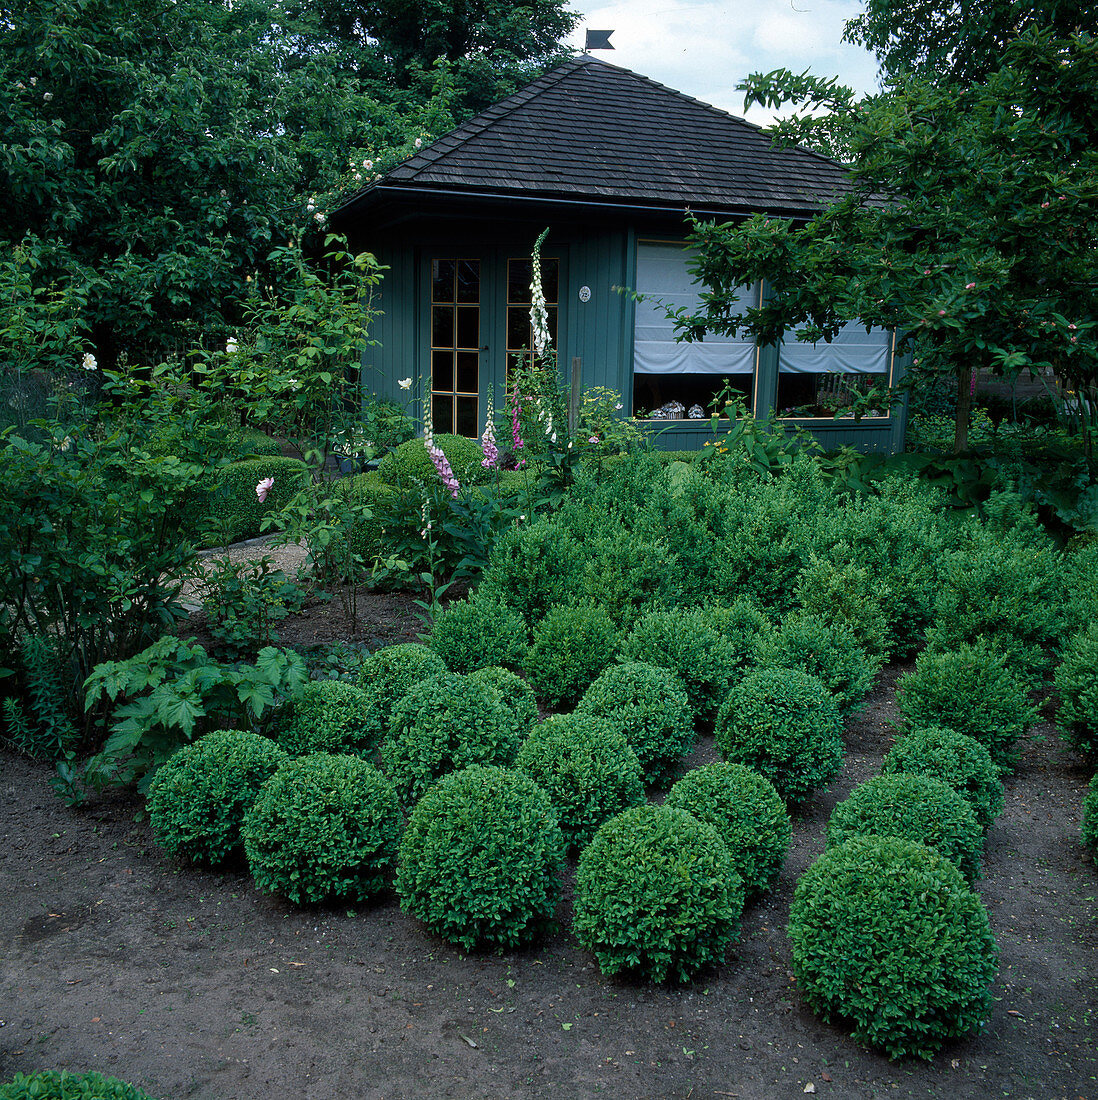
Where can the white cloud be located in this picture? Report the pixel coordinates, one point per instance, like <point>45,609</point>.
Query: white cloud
<point>705,49</point>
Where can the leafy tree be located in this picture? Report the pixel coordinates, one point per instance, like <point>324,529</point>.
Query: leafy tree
<point>957,41</point>
<point>967,227</point>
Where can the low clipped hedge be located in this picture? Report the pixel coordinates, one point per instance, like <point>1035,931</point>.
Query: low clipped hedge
<point>827,650</point>
<point>478,633</point>
<point>688,644</point>
<point>517,696</point>
<point>54,1084</point>
<point>915,807</point>
<point>954,758</point>
<point>198,799</point>
<point>785,725</point>
<point>656,895</point>
<point>973,691</point>
<point>330,716</point>
<point>1077,686</point>
<point>586,767</point>
<point>649,705</point>
<point>228,509</point>
<point>481,859</point>
<point>887,937</point>
<point>747,814</point>
<point>410,461</point>
<point>571,646</point>
<point>445,724</point>
<point>323,827</point>
<point>1089,828</point>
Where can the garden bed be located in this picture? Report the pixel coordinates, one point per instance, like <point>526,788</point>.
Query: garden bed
<point>192,984</point>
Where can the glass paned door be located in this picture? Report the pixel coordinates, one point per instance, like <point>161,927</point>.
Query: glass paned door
<point>455,345</point>
<point>520,335</point>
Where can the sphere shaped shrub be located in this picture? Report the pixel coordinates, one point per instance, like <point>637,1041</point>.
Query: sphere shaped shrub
<point>198,799</point>
<point>479,632</point>
<point>887,937</point>
<point>330,716</point>
<point>1089,829</point>
<point>915,807</point>
<point>970,690</point>
<point>389,673</point>
<point>53,1084</point>
<point>1077,686</point>
<point>743,625</point>
<point>747,815</point>
<point>688,644</point>
<point>571,646</point>
<point>827,650</point>
<point>651,708</point>
<point>954,758</point>
<point>516,693</point>
<point>785,725</point>
<point>481,858</point>
<point>410,461</point>
<point>324,827</point>
<point>443,725</point>
<point>656,895</point>
<point>587,769</point>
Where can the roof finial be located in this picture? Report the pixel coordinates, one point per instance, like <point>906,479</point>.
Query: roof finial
<point>597,40</point>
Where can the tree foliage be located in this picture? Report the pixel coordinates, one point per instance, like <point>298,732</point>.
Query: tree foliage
<point>965,227</point>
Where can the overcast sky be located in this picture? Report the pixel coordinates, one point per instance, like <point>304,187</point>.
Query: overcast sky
<point>706,48</point>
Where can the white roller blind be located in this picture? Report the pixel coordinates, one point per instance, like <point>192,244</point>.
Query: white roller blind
<point>853,351</point>
<point>662,273</point>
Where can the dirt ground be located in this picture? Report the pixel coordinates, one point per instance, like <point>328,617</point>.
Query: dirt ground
<point>191,984</point>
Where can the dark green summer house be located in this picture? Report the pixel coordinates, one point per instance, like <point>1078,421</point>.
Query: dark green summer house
<point>610,162</point>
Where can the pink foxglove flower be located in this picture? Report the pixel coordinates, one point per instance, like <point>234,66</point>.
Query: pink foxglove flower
<point>441,462</point>
<point>263,488</point>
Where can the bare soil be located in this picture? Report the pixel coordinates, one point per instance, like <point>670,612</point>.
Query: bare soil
<point>191,984</point>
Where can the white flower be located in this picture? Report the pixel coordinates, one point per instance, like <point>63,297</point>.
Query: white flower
<point>263,488</point>
<point>553,438</point>
<point>293,383</point>
<point>319,218</point>
<point>231,345</point>
<point>618,407</point>
<point>368,164</point>
<point>89,362</point>
<point>405,383</point>
<point>47,97</point>
<point>66,443</point>
<point>310,207</point>
<point>358,177</point>
<point>419,143</point>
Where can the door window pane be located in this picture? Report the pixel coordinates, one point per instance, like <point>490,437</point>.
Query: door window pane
<point>455,340</point>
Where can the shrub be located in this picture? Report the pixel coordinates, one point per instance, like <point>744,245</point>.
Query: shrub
<point>571,646</point>
<point>747,815</point>
<point>1089,829</point>
<point>887,936</point>
<point>376,498</point>
<point>516,693</point>
<point>837,588</point>
<point>916,807</point>
<point>198,799</point>
<point>970,690</point>
<point>391,672</point>
<point>330,716</point>
<point>53,1084</point>
<point>954,758</point>
<point>687,643</point>
<point>656,894</point>
<point>586,767</point>
<point>785,725</point>
<point>442,725</point>
<point>480,862</point>
<point>830,651</point>
<point>479,632</point>
<point>323,827</point>
<point>743,625</point>
<point>650,707</point>
<point>227,508</point>
<point>534,566</point>
<point>1077,685</point>
<point>410,461</point>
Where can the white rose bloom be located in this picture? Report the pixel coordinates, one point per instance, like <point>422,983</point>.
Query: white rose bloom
<point>89,362</point>
<point>405,383</point>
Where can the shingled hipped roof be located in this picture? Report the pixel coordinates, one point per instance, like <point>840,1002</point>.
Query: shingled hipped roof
<point>591,132</point>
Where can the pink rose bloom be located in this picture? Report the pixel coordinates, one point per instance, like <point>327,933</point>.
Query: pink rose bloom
<point>263,488</point>
<point>593,439</point>
<point>970,286</point>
